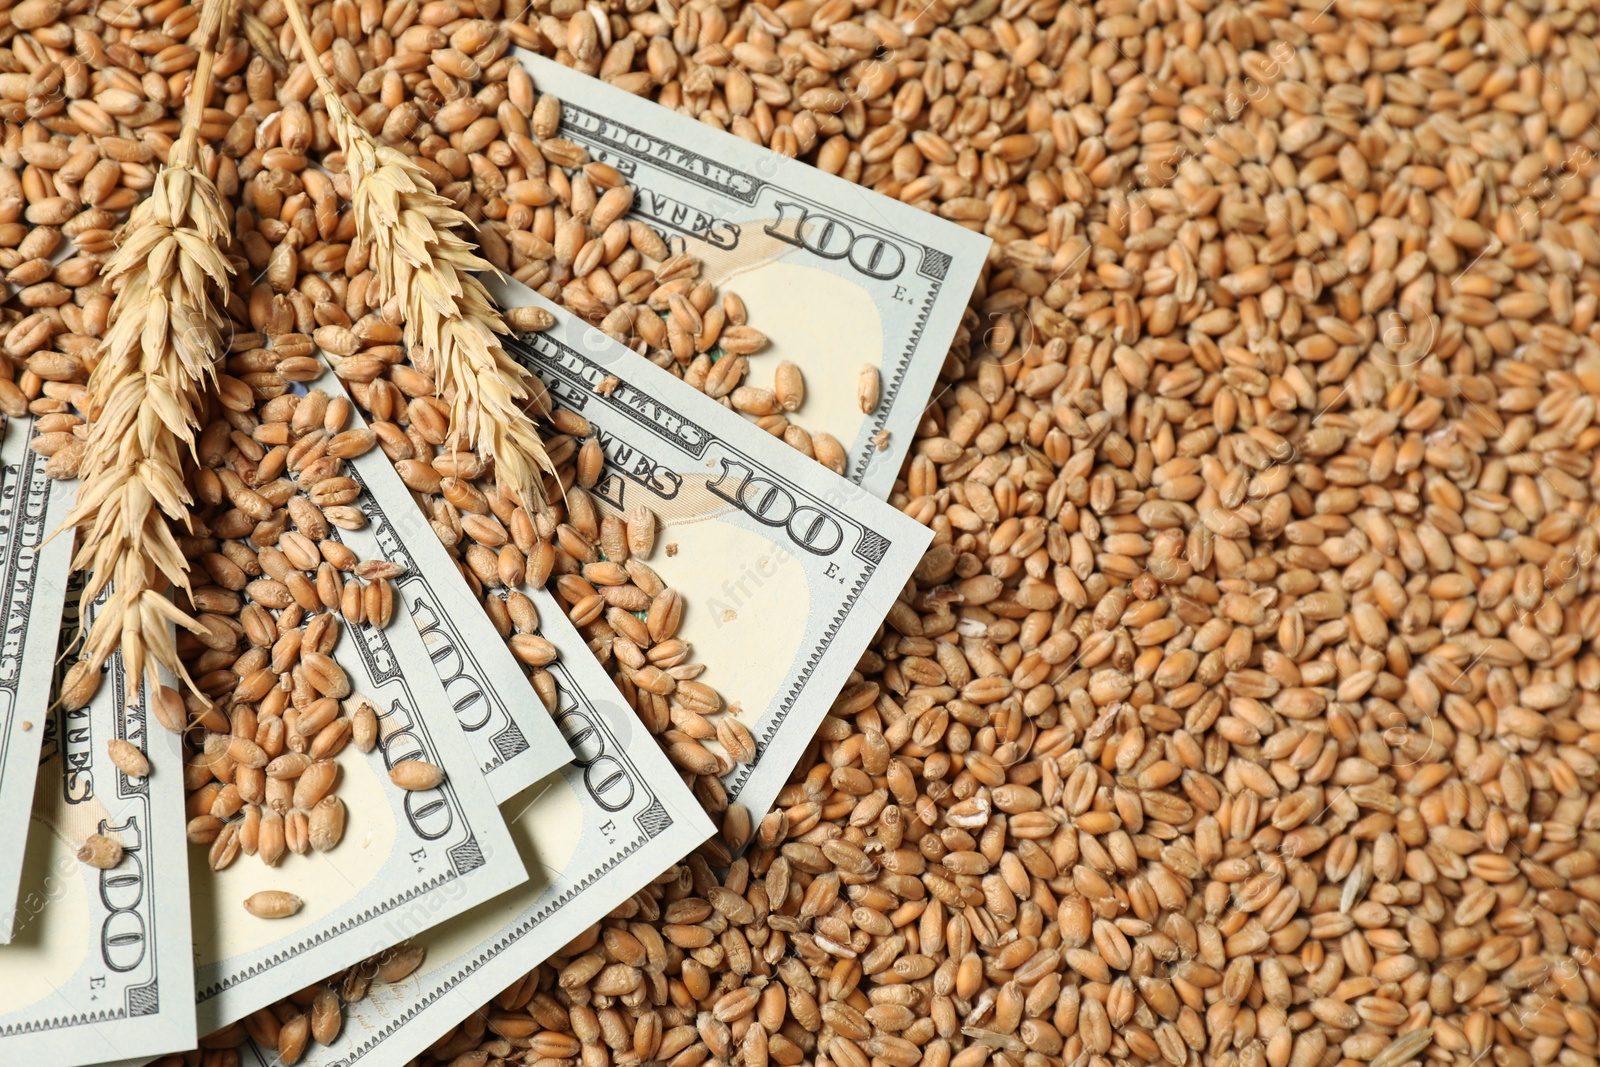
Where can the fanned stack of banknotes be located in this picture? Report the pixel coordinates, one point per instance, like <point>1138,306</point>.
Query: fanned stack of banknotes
<point>544,822</point>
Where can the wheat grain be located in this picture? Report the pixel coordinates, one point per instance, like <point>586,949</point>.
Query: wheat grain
<point>128,758</point>
<point>273,904</point>
<point>100,851</point>
<point>416,775</point>
<point>868,385</point>
<point>160,354</point>
<point>396,964</point>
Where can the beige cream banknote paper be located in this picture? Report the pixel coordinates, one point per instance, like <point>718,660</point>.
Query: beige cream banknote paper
<point>33,581</point>
<point>508,730</point>
<point>408,860</point>
<point>786,570</point>
<point>591,835</point>
<point>838,277</point>
<point>99,964</point>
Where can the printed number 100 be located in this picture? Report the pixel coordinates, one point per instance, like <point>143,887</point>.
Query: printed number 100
<point>832,238</point>
<point>772,504</point>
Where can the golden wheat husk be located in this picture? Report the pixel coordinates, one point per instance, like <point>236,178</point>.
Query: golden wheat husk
<point>146,397</point>
<point>420,259</point>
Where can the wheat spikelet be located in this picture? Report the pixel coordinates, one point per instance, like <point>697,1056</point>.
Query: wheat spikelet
<point>419,257</point>
<point>160,353</point>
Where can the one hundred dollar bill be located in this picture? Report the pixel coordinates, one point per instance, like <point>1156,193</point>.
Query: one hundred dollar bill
<point>591,834</point>
<point>408,860</point>
<point>99,966</point>
<point>785,569</point>
<point>837,276</point>
<point>508,730</point>
<point>33,577</point>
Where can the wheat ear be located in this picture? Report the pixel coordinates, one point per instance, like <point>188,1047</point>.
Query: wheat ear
<point>146,394</point>
<point>420,257</point>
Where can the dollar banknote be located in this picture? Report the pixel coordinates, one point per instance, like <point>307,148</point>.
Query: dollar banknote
<point>508,730</point>
<point>33,575</point>
<point>99,966</point>
<point>591,835</point>
<point>785,569</point>
<point>838,277</point>
<point>408,860</point>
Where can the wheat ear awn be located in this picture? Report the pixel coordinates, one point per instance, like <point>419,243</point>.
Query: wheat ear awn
<point>421,259</point>
<point>146,395</point>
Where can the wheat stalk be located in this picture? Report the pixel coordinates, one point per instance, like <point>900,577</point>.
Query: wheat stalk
<point>419,256</point>
<point>163,341</point>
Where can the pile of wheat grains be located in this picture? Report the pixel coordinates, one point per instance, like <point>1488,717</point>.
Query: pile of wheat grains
<point>1243,711</point>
